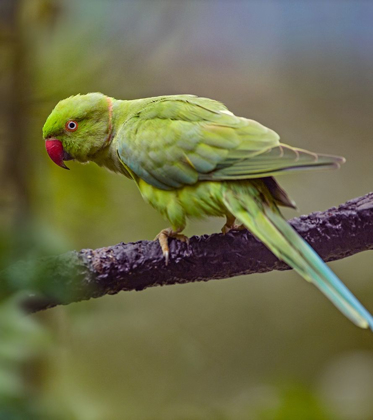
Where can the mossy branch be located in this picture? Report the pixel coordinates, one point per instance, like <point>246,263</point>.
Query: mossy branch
<point>335,233</point>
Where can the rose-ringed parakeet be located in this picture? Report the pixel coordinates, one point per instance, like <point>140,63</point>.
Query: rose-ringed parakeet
<point>192,157</point>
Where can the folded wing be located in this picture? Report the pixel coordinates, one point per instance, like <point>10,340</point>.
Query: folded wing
<point>179,140</point>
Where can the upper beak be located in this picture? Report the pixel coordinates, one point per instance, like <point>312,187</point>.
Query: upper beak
<point>56,153</point>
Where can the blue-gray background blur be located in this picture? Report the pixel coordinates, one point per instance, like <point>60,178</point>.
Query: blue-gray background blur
<point>259,347</point>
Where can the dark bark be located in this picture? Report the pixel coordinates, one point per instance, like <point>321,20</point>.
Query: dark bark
<point>335,233</point>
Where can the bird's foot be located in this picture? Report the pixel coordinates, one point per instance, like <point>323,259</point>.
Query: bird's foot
<point>227,228</point>
<point>162,238</point>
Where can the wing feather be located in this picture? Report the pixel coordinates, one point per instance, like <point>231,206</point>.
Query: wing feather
<point>271,162</point>
<point>177,140</point>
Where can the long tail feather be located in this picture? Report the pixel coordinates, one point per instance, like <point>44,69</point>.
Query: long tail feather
<point>267,224</point>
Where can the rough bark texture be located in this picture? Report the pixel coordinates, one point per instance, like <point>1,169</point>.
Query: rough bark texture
<point>335,233</point>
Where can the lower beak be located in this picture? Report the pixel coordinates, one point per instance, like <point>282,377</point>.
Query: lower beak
<point>56,153</point>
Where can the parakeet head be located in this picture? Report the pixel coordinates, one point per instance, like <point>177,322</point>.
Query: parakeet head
<point>78,128</point>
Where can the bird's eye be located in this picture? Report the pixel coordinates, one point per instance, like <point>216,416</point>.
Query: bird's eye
<point>71,126</point>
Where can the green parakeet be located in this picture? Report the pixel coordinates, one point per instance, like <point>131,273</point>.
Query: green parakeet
<point>192,157</point>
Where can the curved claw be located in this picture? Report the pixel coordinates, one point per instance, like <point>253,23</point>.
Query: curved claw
<point>225,229</point>
<point>162,238</point>
<point>166,255</point>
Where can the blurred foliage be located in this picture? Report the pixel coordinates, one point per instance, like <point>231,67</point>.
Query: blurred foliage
<point>267,347</point>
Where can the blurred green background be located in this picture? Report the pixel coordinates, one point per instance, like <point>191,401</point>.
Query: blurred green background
<point>266,347</point>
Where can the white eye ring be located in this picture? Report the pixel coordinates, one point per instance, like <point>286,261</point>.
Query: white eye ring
<point>71,125</point>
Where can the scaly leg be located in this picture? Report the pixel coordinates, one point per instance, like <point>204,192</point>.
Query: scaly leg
<point>230,225</point>
<point>163,236</point>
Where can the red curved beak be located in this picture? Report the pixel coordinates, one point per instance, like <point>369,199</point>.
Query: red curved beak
<point>55,151</point>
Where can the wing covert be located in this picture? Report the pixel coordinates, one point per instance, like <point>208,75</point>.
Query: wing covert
<point>179,140</point>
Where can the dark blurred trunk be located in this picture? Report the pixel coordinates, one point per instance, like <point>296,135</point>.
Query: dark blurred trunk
<point>15,151</point>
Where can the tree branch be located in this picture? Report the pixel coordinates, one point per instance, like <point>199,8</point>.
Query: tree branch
<point>335,233</point>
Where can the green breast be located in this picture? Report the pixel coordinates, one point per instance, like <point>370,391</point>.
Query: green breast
<point>200,200</point>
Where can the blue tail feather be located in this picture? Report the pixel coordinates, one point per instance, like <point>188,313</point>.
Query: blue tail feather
<point>267,223</point>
